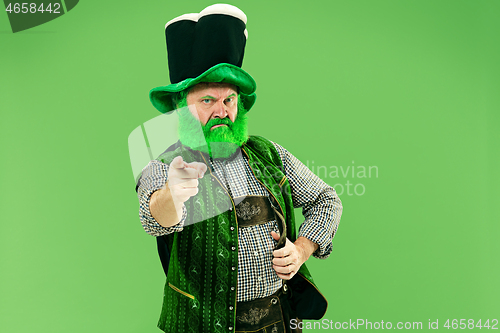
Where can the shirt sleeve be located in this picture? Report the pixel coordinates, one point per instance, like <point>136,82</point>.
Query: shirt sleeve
<point>153,178</point>
<point>320,203</point>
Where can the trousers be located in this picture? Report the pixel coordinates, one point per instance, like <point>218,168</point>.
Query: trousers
<point>270,314</point>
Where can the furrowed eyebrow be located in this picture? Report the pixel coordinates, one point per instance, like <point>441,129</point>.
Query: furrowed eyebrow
<point>232,95</point>
<point>208,97</point>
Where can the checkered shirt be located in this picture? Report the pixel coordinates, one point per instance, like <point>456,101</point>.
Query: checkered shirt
<point>320,205</point>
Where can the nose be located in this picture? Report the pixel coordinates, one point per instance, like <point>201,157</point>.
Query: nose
<point>220,109</point>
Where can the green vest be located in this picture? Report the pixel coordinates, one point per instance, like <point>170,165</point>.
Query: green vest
<point>201,287</point>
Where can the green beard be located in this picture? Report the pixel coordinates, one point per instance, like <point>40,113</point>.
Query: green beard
<point>221,142</point>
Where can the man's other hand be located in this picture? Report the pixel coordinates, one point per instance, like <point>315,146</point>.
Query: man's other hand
<point>288,259</point>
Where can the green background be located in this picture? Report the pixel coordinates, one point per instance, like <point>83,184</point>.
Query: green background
<point>411,87</point>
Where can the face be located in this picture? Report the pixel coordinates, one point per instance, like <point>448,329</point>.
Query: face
<point>209,101</point>
<point>214,106</point>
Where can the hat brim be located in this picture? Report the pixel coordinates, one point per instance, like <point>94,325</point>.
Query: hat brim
<point>161,96</point>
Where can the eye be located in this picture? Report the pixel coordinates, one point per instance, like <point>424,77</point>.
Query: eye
<point>229,100</point>
<point>206,100</point>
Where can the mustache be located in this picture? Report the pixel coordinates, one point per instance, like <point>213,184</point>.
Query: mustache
<point>218,121</point>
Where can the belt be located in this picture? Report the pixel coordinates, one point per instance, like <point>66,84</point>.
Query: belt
<point>263,313</point>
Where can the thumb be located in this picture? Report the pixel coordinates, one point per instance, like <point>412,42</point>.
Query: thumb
<point>275,235</point>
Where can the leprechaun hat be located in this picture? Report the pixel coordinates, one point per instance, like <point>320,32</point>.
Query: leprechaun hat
<point>206,47</point>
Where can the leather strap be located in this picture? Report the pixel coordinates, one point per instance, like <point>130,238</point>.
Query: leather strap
<point>255,210</point>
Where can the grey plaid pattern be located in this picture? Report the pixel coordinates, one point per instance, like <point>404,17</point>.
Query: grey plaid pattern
<point>320,205</point>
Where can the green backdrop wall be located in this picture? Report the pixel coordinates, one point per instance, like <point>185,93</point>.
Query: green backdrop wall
<point>409,88</point>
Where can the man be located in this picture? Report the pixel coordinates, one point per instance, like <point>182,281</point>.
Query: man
<point>221,203</point>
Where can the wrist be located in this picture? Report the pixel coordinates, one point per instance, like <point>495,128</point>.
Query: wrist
<point>164,208</point>
<point>306,247</point>
<point>178,204</point>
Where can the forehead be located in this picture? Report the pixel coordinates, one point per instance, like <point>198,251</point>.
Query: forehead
<point>213,89</point>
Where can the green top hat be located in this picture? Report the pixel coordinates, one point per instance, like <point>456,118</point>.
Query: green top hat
<point>206,47</point>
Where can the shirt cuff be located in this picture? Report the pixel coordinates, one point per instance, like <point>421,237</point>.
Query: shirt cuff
<point>180,226</point>
<point>149,223</point>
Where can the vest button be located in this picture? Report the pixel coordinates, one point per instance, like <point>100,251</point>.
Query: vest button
<point>230,308</point>
<point>232,228</point>
<point>230,328</point>
<point>233,268</point>
<point>233,248</point>
<point>232,288</point>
